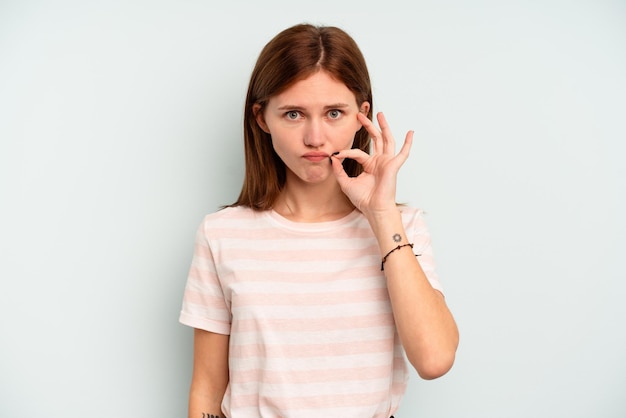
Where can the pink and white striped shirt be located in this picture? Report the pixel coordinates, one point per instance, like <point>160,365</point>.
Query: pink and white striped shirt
<point>307,310</point>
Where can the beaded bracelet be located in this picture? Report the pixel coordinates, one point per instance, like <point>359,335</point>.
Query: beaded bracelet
<point>382,263</point>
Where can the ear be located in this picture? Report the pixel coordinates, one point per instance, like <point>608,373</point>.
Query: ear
<point>260,118</point>
<point>365,108</point>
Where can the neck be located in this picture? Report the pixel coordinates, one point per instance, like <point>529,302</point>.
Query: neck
<point>313,203</point>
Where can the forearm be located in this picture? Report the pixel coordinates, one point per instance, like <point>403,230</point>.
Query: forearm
<point>425,325</point>
<point>205,405</point>
<point>210,375</point>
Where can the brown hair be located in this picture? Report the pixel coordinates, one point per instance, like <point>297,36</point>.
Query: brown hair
<point>293,55</point>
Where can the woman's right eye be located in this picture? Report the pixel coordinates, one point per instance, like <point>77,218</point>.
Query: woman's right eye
<point>293,115</point>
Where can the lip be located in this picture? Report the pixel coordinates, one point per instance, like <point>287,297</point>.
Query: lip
<point>315,156</point>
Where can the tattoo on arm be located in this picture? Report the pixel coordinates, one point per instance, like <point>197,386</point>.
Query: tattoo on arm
<point>396,238</point>
<point>205,415</point>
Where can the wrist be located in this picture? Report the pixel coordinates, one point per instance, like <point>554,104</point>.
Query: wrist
<point>382,217</point>
<point>388,228</point>
<point>399,247</point>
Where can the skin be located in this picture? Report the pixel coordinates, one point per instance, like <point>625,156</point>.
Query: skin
<point>309,123</point>
<point>425,325</point>
<point>210,374</point>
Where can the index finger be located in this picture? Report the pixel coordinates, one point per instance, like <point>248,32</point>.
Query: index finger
<point>389,144</point>
<point>375,134</point>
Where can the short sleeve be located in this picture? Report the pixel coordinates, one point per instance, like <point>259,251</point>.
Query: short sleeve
<point>204,305</point>
<point>419,235</point>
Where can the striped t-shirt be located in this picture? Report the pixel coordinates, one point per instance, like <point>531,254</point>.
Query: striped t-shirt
<point>307,310</point>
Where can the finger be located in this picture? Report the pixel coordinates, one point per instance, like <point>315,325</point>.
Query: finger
<point>339,172</point>
<point>375,134</point>
<point>356,154</point>
<point>389,144</point>
<point>403,155</point>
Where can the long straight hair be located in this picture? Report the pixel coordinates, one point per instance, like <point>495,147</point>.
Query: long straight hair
<point>293,55</point>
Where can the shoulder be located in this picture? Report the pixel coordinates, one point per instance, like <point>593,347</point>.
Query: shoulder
<point>231,218</point>
<point>410,212</point>
<point>414,219</point>
<point>228,213</point>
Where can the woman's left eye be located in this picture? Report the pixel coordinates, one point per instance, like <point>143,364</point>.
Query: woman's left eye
<point>292,114</point>
<point>334,114</point>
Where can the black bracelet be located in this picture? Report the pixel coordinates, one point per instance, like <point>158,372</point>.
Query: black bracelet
<point>382,263</point>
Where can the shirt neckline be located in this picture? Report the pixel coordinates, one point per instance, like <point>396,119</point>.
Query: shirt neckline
<point>309,227</point>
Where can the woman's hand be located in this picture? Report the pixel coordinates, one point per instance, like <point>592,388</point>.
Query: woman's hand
<point>374,190</point>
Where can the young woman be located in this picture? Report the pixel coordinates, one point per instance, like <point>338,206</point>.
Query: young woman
<point>308,292</point>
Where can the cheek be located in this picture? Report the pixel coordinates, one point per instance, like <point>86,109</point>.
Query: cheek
<point>349,131</point>
<point>281,147</point>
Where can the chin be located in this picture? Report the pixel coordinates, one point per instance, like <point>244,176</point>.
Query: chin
<point>315,176</point>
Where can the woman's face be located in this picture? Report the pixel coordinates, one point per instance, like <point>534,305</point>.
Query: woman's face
<point>308,122</point>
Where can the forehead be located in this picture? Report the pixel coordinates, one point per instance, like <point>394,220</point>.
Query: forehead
<point>318,89</point>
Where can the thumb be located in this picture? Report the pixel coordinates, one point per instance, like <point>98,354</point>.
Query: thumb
<point>339,172</point>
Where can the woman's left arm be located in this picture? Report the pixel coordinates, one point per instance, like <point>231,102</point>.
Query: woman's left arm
<point>425,324</point>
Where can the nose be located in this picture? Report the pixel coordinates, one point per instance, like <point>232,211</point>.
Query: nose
<point>314,133</point>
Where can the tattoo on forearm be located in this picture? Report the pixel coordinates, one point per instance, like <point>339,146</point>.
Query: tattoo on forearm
<point>397,238</point>
<point>205,415</point>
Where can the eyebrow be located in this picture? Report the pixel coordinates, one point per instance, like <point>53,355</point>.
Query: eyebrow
<point>330,106</point>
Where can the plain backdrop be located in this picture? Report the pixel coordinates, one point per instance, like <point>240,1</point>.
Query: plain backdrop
<point>120,127</point>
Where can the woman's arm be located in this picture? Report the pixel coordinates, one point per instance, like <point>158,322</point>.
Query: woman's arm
<point>210,374</point>
<point>425,325</point>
